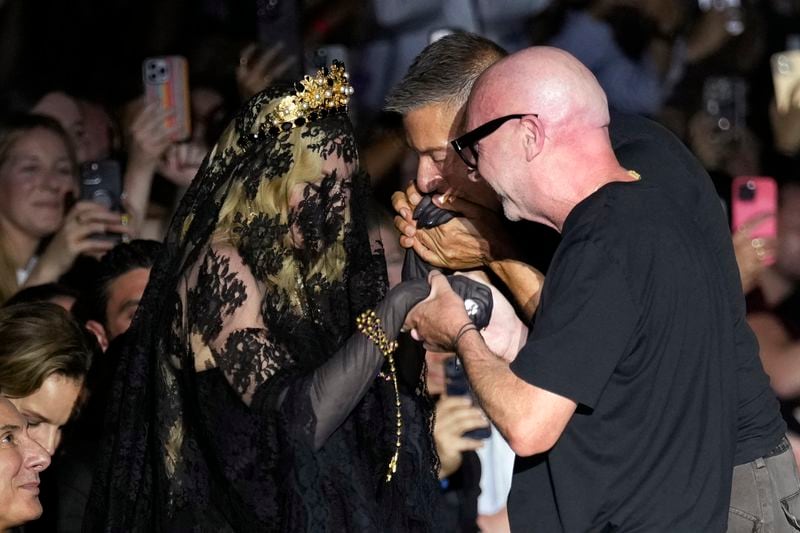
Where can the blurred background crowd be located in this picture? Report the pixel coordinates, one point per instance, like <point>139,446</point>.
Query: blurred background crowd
<point>71,96</point>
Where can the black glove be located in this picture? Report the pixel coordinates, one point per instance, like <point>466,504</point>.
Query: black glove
<point>429,215</point>
<point>477,299</point>
<point>340,383</point>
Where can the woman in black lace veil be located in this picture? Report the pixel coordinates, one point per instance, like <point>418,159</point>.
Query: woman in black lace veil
<point>246,399</point>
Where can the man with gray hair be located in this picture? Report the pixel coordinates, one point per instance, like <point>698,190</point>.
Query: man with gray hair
<point>431,98</point>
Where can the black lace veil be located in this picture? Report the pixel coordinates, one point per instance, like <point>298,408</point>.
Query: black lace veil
<point>268,262</point>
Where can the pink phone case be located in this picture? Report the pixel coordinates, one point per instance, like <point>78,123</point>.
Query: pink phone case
<point>166,80</point>
<point>753,197</point>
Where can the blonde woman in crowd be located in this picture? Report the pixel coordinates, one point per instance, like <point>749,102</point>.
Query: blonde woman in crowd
<point>40,237</point>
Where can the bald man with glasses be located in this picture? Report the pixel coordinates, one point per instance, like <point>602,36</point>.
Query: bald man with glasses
<point>638,388</point>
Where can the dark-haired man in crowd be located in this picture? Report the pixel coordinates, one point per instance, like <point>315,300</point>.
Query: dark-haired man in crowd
<point>107,311</point>
<point>649,149</point>
<point>123,273</point>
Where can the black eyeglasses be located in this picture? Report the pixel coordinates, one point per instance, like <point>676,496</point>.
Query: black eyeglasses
<point>465,145</point>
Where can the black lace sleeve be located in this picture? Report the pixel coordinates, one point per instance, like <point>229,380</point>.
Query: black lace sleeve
<point>245,399</point>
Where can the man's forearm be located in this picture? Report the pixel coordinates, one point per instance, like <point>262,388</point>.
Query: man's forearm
<point>504,397</point>
<point>524,281</point>
<point>530,418</point>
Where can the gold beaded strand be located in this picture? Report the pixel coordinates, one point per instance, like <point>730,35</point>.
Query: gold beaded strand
<point>370,325</point>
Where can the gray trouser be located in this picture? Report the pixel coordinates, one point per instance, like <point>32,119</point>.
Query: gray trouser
<point>765,496</point>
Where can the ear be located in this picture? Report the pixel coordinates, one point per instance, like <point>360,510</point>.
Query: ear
<point>99,331</point>
<point>473,176</point>
<point>533,136</point>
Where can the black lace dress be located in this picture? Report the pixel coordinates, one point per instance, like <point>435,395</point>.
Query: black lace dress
<point>246,400</point>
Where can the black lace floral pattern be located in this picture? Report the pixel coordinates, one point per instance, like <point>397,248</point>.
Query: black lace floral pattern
<point>210,412</point>
<point>249,359</point>
<point>334,140</point>
<point>258,238</point>
<point>217,295</point>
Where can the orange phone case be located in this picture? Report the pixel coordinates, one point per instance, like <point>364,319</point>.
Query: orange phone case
<point>166,80</point>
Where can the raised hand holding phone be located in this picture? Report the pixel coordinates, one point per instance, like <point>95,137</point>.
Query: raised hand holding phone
<point>166,82</point>
<point>754,207</point>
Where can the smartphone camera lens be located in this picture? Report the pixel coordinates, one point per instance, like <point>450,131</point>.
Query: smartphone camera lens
<point>748,190</point>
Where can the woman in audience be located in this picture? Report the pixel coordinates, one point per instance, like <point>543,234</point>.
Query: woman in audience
<point>39,239</point>
<point>21,462</point>
<point>44,357</point>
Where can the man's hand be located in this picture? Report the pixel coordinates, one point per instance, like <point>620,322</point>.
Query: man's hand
<point>437,319</point>
<point>404,203</point>
<point>455,415</point>
<point>471,240</point>
<point>506,333</point>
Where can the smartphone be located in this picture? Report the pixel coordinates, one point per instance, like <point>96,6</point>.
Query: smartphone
<point>751,197</point>
<point>786,79</point>
<point>456,384</point>
<point>166,81</point>
<point>101,182</point>
<point>725,100</point>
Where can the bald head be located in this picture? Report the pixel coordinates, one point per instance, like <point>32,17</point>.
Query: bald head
<point>543,80</point>
<point>550,148</point>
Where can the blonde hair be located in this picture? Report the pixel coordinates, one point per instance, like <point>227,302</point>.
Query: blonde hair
<point>11,131</point>
<point>272,200</point>
<point>38,340</point>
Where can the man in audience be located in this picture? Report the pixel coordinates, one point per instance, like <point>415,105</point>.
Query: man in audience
<point>107,311</point>
<point>123,274</point>
<point>626,381</point>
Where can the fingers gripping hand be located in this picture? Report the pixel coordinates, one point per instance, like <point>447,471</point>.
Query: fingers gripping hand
<point>505,332</point>
<point>471,240</point>
<point>436,320</point>
<point>404,203</point>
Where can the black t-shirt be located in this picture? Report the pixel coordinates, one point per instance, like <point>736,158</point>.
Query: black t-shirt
<point>634,326</point>
<point>666,164</point>
<point>649,148</point>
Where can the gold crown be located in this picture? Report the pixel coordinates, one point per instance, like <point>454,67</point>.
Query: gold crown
<point>315,97</point>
